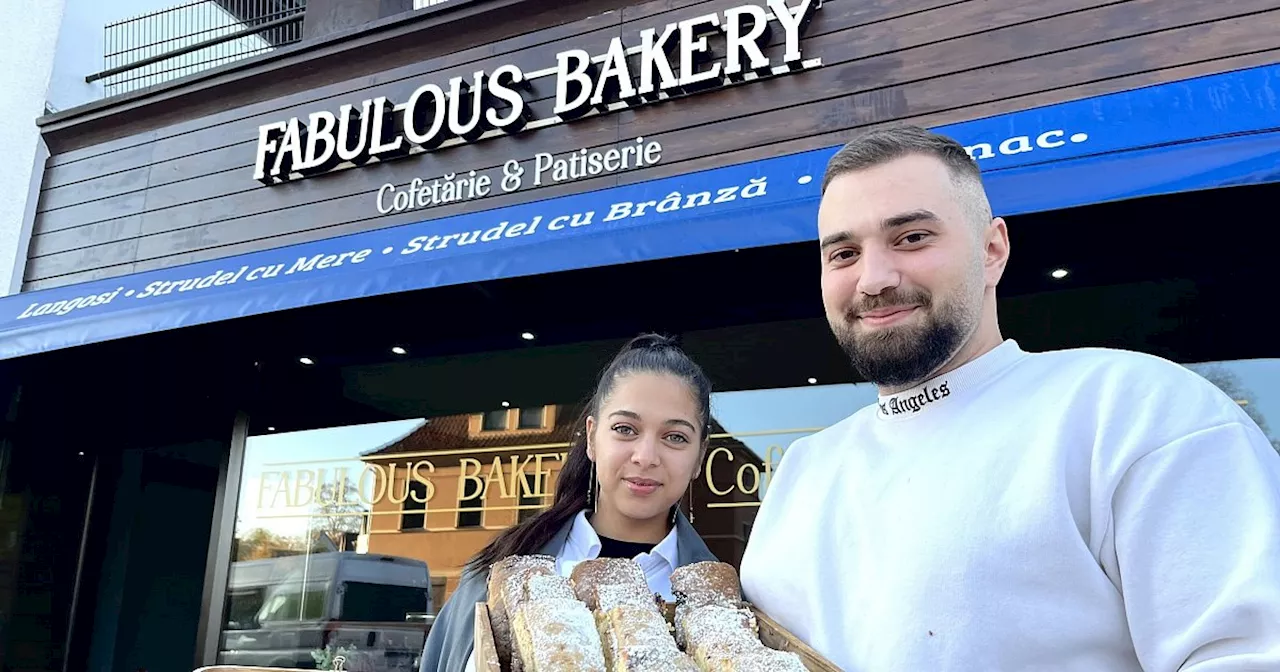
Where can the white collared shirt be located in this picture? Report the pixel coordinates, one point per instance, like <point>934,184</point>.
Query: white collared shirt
<point>584,544</point>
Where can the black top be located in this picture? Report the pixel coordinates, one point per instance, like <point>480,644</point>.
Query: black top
<point>612,548</point>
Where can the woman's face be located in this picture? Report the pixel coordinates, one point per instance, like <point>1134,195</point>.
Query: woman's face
<point>646,444</point>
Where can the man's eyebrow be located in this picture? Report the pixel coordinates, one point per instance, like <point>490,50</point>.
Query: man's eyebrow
<point>889,223</point>
<point>907,218</point>
<point>836,239</point>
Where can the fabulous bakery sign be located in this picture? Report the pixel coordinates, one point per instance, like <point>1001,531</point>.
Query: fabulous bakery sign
<point>667,62</point>
<point>734,479</point>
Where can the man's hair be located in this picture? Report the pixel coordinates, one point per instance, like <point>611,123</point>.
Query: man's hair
<point>882,145</point>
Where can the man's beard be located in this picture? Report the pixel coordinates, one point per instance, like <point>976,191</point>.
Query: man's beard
<point>902,356</point>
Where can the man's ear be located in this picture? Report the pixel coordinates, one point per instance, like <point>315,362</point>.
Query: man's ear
<point>996,253</point>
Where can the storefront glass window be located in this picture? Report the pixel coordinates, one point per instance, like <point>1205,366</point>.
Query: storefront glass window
<point>355,530</point>
<point>377,520</point>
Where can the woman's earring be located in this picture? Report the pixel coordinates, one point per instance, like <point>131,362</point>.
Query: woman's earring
<point>592,494</point>
<point>690,503</point>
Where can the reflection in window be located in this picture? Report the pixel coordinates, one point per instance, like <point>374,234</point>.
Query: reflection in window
<point>288,602</point>
<point>494,421</point>
<point>528,485</point>
<point>472,511</point>
<point>415,516</point>
<point>243,606</point>
<point>1254,384</point>
<point>532,418</point>
<point>381,603</point>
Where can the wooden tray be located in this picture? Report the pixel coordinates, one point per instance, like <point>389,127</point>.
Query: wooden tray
<point>772,635</point>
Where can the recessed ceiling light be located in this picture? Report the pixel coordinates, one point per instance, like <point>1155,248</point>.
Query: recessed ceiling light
<point>506,404</point>
<point>813,381</point>
<point>271,429</point>
<point>306,361</point>
<point>82,453</point>
<point>1060,273</point>
<point>399,350</point>
<point>527,335</point>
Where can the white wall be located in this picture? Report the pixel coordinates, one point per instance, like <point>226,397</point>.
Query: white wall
<point>28,37</point>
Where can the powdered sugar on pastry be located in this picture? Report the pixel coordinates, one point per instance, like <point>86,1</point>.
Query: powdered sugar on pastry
<point>588,575</point>
<point>548,587</point>
<point>611,596</point>
<point>706,583</point>
<point>558,635</point>
<point>765,659</point>
<point>506,580</point>
<point>641,641</point>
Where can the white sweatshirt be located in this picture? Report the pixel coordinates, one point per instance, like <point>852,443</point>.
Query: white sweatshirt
<point>1083,510</point>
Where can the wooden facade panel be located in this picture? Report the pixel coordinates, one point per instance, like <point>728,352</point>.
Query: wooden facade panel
<point>961,49</point>
<point>1046,74</point>
<point>120,230</point>
<point>942,28</point>
<point>187,203</point>
<point>93,212</point>
<point>224,167</point>
<point>128,158</point>
<point>114,184</point>
<point>940,63</point>
<point>112,254</point>
<point>755,152</point>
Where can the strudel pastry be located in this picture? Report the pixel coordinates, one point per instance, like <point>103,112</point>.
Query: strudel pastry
<point>637,638</point>
<point>557,635</point>
<point>703,584</point>
<point>727,639</point>
<point>706,583</point>
<point>588,576</point>
<point>507,580</point>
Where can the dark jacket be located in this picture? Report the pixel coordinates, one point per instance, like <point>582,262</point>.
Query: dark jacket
<point>453,634</point>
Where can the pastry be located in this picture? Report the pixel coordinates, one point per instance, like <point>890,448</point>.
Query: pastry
<point>508,577</point>
<point>701,584</point>
<point>546,587</point>
<point>588,575</point>
<point>557,635</point>
<point>714,634</point>
<point>706,583</point>
<point>612,595</point>
<point>765,659</point>
<point>637,638</point>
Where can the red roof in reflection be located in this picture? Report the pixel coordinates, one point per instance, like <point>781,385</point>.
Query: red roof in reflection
<point>450,432</point>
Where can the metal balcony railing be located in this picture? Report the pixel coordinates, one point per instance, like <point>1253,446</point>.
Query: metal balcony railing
<point>175,42</point>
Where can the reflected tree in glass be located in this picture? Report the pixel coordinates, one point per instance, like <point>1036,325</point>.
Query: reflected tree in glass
<point>338,514</point>
<point>1229,383</point>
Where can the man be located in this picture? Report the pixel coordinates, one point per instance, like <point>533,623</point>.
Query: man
<point>1092,510</point>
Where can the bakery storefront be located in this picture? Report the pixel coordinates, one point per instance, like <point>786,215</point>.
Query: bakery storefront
<point>300,335</point>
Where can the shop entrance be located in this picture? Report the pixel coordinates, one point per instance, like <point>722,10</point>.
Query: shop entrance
<point>109,471</point>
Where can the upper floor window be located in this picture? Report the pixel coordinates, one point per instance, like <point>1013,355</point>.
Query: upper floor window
<point>511,419</point>
<point>531,418</point>
<point>495,421</point>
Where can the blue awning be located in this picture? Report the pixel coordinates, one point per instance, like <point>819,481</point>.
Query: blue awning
<point>1215,131</point>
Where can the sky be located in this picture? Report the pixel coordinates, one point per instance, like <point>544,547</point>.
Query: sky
<point>747,411</point>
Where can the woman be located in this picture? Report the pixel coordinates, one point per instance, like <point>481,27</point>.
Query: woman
<point>642,439</point>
